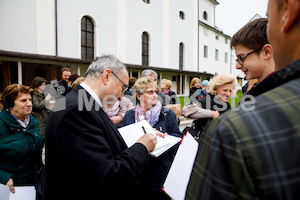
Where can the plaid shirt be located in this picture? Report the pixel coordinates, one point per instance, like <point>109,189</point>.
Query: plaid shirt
<point>253,154</point>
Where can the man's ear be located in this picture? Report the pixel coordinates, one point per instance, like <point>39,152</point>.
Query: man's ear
<point>291,14</point>
<point>105,76</point>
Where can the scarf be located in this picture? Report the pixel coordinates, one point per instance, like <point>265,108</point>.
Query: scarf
<point>166,92</point>
<point>151,115</point>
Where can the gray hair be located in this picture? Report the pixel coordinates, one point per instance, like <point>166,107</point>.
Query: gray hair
<point>105,62</point>
<point>148,72</point>
<point>143,83</point>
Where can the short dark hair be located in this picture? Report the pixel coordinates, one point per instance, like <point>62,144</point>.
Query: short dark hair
<point>37,81</point>
<point>253,35</point>
<point>132,80</point>
<point>73,77</point>
<point>11,93</point>
<point>65,69</point>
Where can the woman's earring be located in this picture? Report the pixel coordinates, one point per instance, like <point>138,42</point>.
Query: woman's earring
<point>284,18</point>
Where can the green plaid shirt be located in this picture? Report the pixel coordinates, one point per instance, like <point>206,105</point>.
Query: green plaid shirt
<point>253,154</point>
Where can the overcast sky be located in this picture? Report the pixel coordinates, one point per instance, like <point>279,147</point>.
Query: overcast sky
<point>231,15</point>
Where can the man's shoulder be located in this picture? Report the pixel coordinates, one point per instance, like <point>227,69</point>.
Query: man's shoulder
<point>270,109</point>
<point>280,94</point>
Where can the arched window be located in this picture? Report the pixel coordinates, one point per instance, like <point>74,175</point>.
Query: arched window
<point>87,38</point>
<point>205,15</point>
<point>145,49</point>
<point>181,55</point>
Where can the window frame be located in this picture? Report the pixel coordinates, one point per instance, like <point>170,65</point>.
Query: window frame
<point>145,48</point>
<point>181,55</point>
<point>87,38</point>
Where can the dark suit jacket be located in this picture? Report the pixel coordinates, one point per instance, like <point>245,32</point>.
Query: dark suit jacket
<point>65,86</point>
<point>86,158</point>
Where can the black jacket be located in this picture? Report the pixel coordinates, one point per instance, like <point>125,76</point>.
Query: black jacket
<point>63,88</point>
<point>86,157</point>
<point>211,103</point>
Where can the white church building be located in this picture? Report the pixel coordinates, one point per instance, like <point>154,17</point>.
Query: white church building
<point>176,38</point>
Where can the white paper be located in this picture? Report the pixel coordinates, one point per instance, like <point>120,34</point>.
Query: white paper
<point>179,175</point>
<point>21,193</point>
<point>4,192</point>
<point>133,132</point>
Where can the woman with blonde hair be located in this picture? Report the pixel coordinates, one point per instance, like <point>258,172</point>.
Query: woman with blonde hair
<point>79,80</point>
<point>195,85</point>
<point>220,89</point>
<point>165,87</point>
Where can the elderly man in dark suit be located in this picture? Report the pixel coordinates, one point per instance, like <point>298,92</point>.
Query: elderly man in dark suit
<point>86,157</point>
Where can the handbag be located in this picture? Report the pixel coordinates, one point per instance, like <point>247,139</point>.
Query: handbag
<point>194,132</point>
<point>190,108</point>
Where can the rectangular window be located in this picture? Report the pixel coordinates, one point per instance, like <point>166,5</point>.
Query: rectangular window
<point>217,54</point>
<point>226,57</point>
<point>205,51</point>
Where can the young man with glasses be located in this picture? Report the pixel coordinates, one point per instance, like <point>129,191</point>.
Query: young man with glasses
<point>253,50</point>
<point>255,154</point>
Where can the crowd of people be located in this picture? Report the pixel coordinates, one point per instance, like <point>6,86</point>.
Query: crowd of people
<point>242,154</point>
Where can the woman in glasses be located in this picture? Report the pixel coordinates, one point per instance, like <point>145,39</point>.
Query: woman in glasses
<point>163,120</point>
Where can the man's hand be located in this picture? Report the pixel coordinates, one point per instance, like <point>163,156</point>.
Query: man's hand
<point>116,119</point>
<point>10,184</point>
<point>148,140</point>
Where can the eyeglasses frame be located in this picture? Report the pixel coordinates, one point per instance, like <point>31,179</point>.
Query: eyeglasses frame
<point>126,86</point>
<point>242,58</point>
<point>152,92</point>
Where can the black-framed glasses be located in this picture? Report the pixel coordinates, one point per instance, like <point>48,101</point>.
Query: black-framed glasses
<point>125,85</point>
<point>151,92</point>
<point>241,59</point>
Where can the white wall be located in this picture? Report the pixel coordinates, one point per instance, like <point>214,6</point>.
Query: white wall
<point>182,31</point>
<point>29,27</point>
<point>18,26</point>
<point>209,7</point>
<point>103,13</point>
<point>210,65</point>
<point>142,17</point>
<point>45,27</point>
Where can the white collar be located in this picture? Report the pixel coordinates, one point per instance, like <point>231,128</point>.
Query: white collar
<point>92,93</point>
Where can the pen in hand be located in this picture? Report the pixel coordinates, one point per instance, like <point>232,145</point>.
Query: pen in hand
<point>144,129</point>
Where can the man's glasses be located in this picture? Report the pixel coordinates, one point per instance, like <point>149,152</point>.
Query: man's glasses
<point>151,92</point>
<point>125,85</point>
<point>241,59</point>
